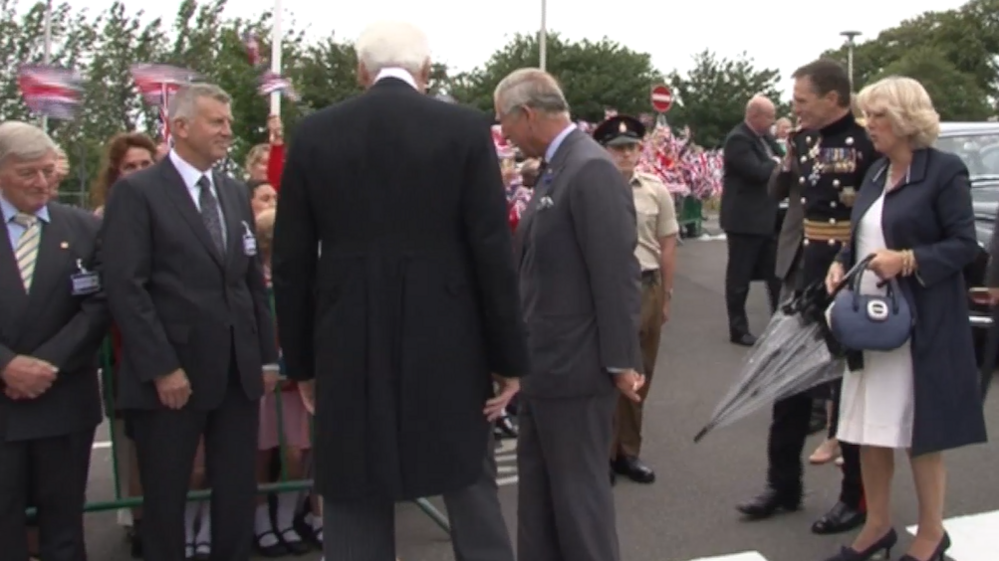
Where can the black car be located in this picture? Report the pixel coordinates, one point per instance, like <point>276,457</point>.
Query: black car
<point>978,145</point>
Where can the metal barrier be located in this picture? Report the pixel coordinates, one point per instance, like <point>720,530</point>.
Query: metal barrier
<point>284,484</point>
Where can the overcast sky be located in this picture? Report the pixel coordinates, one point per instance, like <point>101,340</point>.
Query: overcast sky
<point>780,34</point>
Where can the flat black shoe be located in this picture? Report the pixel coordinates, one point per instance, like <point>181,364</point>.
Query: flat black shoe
<point>770,502</point>
<point>884,544</point>
<point>633,469</point>
<point>276,549</point>
<point>840,518</point>
<point>744,339</point>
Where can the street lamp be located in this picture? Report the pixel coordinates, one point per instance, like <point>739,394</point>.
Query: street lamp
<point>543,36</point>
<point>850,36</point>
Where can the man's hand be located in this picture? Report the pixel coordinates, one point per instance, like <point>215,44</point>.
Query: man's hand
<point>174,389</point>
<point>628,383</point>
<point>271,380</point>
<point>508,387</point>
<point>308,392</point>
<point>27,377</point>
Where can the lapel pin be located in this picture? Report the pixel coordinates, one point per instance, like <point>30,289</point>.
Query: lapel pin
<point>63,245</point>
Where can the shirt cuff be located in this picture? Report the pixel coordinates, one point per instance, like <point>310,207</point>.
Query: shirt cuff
<point>272,368</point>
<point>617,370</point>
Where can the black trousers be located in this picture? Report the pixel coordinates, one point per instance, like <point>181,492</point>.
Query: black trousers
<point>166,442</point>
<point>788,431</point>
<point>53,472</point>
<point>750,258</point>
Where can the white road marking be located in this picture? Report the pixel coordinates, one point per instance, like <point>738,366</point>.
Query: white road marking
<point>973,538</point>
<point>101,445</point>
<point>745,556</point>
<point>506,460</point>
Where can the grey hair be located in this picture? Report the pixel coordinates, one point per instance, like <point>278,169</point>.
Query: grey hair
<point>24,141</point>
<point>183,104</point>
<point>393,43</point>
<point>530,87</point>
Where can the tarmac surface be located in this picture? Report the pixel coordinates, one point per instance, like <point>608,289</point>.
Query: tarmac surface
<point>688,514</point>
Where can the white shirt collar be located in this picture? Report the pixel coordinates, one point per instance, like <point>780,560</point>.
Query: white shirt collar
<point>188,173</point>
<point>557,141</point>
<point>398,73</point>
<point>9,211</point>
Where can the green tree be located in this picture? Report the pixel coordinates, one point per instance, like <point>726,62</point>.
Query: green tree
<point>966,38</point>
<point>326,74</point>
<point>956,95</point>
<point>594,75</point>
<point>711,98</point>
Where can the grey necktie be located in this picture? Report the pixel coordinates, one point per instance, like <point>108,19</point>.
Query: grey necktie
<point>210,214</point>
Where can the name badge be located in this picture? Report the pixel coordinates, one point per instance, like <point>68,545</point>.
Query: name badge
<point>84,282</point>
<point>249,241</point>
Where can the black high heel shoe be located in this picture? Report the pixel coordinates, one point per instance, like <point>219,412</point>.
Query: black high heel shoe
<point>938,553</point>
<point>885,544</point>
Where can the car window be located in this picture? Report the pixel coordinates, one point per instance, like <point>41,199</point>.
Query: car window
<point>980,152</point>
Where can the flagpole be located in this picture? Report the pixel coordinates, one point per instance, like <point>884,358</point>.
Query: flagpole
<point>543,36</point>
<point>276,40</point>
<point>47,52</point>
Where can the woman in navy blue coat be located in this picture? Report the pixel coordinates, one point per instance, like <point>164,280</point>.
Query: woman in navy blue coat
<point>913,212</point>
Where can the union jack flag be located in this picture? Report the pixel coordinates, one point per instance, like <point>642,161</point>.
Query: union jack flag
<point>270,82</point>
<point>156,83</point>
<point>51,91</point>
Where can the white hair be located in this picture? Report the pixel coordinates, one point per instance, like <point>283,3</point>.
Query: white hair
<point>184,103</point>
<point>393,43</point>
<point>24,141</point>
<point>530,87</point>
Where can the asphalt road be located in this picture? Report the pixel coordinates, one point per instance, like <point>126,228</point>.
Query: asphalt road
<point>688,513</point>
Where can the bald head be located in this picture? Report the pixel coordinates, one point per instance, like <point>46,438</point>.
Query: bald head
<point>760,113</point>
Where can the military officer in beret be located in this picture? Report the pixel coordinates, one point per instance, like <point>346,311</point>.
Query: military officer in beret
<point>656,252</point>
<point>824,166</point>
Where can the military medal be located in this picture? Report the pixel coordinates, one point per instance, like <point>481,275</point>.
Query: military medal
<point>847,196</point>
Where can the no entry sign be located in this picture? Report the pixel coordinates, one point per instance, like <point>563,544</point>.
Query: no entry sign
<point>662,98</point>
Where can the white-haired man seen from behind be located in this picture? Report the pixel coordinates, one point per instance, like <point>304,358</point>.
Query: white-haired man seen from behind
<point>397,331</point>
<point>580,279</point>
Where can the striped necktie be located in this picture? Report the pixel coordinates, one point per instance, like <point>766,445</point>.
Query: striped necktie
<point>27,247</point>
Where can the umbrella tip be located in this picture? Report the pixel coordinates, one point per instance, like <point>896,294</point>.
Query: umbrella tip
<point>700,435</point>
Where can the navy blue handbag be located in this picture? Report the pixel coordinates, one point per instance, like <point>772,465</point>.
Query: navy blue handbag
<point>869,322</point>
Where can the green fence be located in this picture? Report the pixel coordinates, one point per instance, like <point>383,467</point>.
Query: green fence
<point>283,484</point>
<point>690,216</point>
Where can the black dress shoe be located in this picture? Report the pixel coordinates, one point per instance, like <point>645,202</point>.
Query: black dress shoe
<point>770,502</point>
<point>840,518</point>
<point>633,469</point>
<point>743,339</point>
<point>613,477</point>
<point>885,544</point>
<point>939,554</point>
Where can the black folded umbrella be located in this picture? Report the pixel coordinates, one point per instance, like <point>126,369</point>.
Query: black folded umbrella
<point>796,352</point>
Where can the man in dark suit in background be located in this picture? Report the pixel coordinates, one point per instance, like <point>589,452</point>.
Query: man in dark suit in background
<point>54,319</point>
<point>748,214</point>
<point>581,288</point>
<point>187,290</point>
<point>399,327</point>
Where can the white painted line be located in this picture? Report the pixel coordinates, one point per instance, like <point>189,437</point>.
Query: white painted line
<point>505,457</point>
<point>745,556</point>
<point>101,445</point>
<point>973,538</point>
<point>504,481</point>
<point>506,469</point>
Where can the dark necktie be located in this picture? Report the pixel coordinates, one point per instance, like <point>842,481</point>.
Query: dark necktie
<point>210,214</point>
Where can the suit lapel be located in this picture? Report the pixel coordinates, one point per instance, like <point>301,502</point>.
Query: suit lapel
<point>176,191</point>
<point>232,216</point>
<point>13,299</point>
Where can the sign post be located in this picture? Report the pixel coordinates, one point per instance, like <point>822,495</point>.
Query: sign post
<point>662,101</point>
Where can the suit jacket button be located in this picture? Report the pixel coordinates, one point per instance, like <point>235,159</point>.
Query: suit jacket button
<point>801,180</point>
<point>832,204</point>
<point>832,220</point>
<point>835,182</point>
<point>803,200</point>
<point>805,242</point>
<point>832,242</point>
<point>803,159</point>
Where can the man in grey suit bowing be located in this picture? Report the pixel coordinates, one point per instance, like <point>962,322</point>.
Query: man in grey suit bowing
<point>186,289</point>
<point>581,297</point>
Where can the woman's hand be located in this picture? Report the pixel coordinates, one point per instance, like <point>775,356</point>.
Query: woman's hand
<point>834,277</point>
<point>887,264</point>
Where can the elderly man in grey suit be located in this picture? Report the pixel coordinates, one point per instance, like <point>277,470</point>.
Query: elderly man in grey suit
<point>581,297</point>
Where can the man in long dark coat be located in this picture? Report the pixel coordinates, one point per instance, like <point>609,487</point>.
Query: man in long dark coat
<point>402,318</point>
